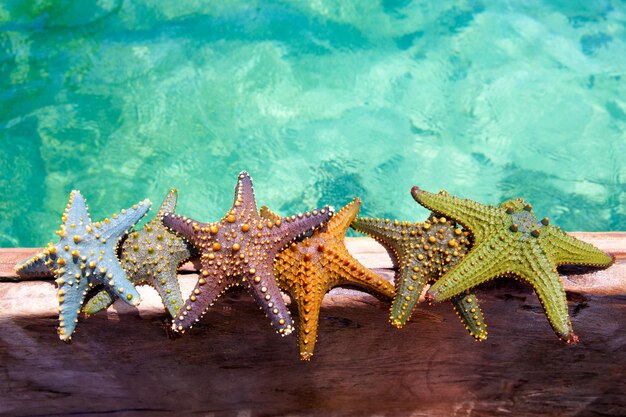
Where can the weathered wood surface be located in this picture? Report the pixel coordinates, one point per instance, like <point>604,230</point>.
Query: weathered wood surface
<point>121,362</point>
<point>604,282</point>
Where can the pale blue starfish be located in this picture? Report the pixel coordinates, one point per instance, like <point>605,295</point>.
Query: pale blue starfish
<point>85,256</point>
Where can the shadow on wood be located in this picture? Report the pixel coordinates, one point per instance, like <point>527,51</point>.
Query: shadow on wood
<point>233,363</point>
<point>121,362</point>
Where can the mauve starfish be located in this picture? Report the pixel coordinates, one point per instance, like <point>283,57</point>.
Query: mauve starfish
<point>510,241</point>
<point>240,250</point>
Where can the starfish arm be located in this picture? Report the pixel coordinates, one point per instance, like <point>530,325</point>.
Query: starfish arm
<point>261,284</point>
<point>169,203</point>
<point>166,284</point>
<point>485,261</point>
<point>71,294</point>
<point>290,228</point>
<point>409,286</point>
<point>99,301</point>
<point>184,227</point>
<point>152,256</point>
<point>309,303</point>
<point>340,222</point>
<point>180,251</point>
<point>208,289</point>
<point>384,232</point>
<point>114,278</point>
<point>34,266</point>
<point>566,249</point>
<point>540,273</point>
<point>120,224</point>
<point>244,192</point>
<point>467,308</point>
<point>306,286</point>
<point>387,231</point>
<point>351,272</point>
<point>76,216</point>
<point>477,217</point>
<point>268,214</point>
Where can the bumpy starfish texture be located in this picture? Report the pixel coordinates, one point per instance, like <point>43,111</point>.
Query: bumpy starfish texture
<point>151,256</point>
<point>307,270</point>
<point>510,241</point>
<point>85,257</point>
<point>240,250</point>
<point>422,253</point>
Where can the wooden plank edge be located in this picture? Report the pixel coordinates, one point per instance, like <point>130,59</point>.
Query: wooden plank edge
<point>610,281</point>
<point>38,298</point>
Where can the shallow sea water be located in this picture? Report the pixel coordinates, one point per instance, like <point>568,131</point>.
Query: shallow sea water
<point>320,101</point>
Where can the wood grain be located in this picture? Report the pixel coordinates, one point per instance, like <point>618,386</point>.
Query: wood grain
<point>372,255</point>
<point>122,362</point>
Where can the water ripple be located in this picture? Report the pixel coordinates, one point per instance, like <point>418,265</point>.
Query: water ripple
<point>320,101</point>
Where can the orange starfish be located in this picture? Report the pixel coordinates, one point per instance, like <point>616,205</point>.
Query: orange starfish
<point>307,270</point>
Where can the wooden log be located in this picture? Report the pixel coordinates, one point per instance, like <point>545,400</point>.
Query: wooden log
<point>372,255</point>
<point>122,362</point>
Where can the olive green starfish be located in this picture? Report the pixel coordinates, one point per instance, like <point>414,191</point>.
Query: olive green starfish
<point>422,253</point>
<point>510,241</point>
<point>151,256</point>
<point>308,269</point>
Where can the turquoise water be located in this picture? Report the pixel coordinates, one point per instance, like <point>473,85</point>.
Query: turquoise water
<point>319,100</point>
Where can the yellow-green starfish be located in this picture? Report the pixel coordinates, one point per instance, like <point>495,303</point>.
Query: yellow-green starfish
<point>307,270</point>
<point>510,241</point>
<point>422,253</point>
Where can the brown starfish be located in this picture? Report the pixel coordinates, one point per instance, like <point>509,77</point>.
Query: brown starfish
<point>240,250</point>
<point>312,267</point>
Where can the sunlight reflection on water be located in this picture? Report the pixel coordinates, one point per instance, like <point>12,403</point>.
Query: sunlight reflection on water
<point>490,101</point>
